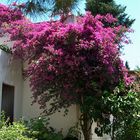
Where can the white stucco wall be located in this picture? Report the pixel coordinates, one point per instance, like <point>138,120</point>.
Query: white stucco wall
<point>57,120</point>
<point>10,74</point>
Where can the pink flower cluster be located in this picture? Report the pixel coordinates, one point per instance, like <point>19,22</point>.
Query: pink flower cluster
<point>64,60</point>
<point>8,15</point>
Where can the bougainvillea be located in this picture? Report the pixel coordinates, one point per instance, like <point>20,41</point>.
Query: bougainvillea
<point>8,15</point>
<point>68,62</point>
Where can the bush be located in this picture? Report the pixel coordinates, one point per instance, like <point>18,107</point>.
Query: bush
<point>131,131</point>
<point>39,129</point>
<point>34,129</point>
<point>73,133</point>
<point>15,131</point>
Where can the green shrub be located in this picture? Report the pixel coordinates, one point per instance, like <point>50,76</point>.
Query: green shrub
<point>39,129</point>
<point>34,129</point>
<point>131,131</point>
<point>73,133</point>
<point>15,131</point>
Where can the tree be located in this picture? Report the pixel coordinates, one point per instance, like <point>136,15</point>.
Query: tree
<point>69,63</point>
<point>124,105</point>
<point>109,6</point>
<point>137,69</point>
<point>127,65</point>
<point>59,7</point>
<point>50,7</point>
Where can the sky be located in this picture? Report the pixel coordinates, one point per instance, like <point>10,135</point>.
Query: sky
<point>131,52</point>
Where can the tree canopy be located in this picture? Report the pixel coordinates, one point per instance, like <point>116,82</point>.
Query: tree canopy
<point>59,7</point>
<point>109,6</point>
<point>50,7</point>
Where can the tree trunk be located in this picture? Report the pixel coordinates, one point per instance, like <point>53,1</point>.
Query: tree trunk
<point>86,124</point>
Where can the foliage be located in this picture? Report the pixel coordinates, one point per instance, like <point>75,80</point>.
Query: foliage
<point>38,129</point>
<point>136,75</point>
<point>71,63</point>
<point>124,106</point>
<point>137,69</point>
<point>131,130</point>
<point>12,131</point>
<point>49,7</point>
<point>73,133</point>
<point>127,65</point>
<point>63,7</point>
<point>5,48</point>
<point>109,6</point>
<point>9,14</point>
<point>34,129</point>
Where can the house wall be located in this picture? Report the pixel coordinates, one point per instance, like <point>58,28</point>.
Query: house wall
<point>57,120</point>
<point>10,74</point>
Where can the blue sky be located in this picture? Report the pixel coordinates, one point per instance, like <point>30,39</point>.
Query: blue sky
<point>131,51</point>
